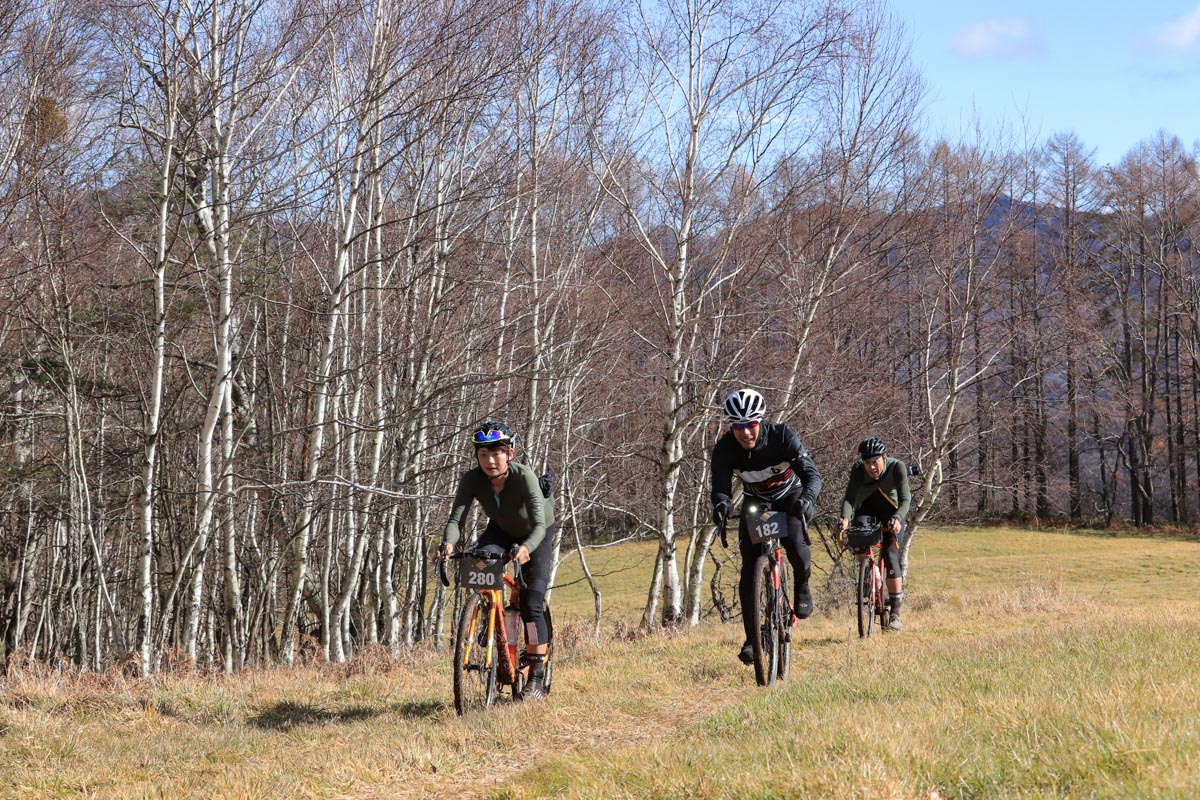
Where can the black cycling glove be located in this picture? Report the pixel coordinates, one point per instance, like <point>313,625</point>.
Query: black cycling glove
<point>720,517</point>
<point>802,508</point>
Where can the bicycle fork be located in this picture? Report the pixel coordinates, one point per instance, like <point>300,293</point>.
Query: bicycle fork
<point>881,578</point>
<point>507,660</point>
<point>875,591</point>
<point>473,641</point>
<point>878,590</point>
<point>780,605</point>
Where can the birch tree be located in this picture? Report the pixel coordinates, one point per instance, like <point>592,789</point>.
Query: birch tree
<point>151,42</point>
<point>234,59</point>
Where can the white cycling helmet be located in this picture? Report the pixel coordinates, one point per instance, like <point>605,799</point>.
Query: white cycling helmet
<point>745,405</point>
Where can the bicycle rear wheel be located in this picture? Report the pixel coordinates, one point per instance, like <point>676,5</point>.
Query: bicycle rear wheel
<point>864,595</point>
<point>475,658</point>
<point>766,643</point>
<point>549,674</point>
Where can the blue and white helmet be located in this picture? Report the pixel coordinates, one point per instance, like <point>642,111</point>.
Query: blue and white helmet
<point>745,405</point>
<point>492,433</point>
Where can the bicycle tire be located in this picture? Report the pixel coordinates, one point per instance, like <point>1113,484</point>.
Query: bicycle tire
<point>880,595</point>
<point>864,598</point>
<point>784,620</point>
<point>765,644</point>
<point>474,672</point>
<point>548,676</point>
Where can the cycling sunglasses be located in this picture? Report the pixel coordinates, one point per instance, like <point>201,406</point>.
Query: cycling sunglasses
<point>744,426</point>
<point>489,437</point>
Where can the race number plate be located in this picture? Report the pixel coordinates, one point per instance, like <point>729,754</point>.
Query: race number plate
<point>768,525</point>
<point>481,573</point>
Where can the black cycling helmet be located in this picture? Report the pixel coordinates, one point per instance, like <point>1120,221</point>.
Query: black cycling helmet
<point>745,405</point>
<point>492,433</point>
<point>871,447</point>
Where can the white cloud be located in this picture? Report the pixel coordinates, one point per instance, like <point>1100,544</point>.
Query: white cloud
<point>997,37</point>
<point>1182,33</point>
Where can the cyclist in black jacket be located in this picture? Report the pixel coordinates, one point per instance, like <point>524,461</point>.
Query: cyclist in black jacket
<point>775,469</point>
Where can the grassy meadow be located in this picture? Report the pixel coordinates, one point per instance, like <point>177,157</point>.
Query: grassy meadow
<point>1032,665</point>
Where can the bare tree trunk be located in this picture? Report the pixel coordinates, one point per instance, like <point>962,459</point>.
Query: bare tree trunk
<point>153,418</point>
<point>80,515</point>
<point>1074,476</point>
<point>1195,382</point>
<point>324,381</point>
<point>650,614</point>
<point>983,436</point>
<point>1041,431</point>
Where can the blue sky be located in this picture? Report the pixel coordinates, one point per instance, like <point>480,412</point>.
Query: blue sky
<point>1113,72</point>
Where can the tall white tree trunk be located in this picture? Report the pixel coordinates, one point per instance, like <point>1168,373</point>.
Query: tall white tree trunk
<point>153,418</point>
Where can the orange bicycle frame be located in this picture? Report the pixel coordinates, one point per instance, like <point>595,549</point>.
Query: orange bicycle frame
<point>496,618</point>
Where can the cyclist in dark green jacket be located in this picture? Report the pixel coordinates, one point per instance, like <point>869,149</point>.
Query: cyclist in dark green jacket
<point>520,515</point>
<point>878,487</point>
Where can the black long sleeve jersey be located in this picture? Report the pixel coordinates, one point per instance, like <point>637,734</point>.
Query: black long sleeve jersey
<point>778,466</point>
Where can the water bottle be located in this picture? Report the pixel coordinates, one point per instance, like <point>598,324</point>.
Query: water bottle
<point>512,621</point>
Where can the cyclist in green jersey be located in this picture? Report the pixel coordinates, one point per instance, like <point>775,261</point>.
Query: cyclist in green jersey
<point>521,520</point>
<point>878,488</point>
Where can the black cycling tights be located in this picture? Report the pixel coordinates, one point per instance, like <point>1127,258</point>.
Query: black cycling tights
<point>891,553</point>
<point>537,579</point>
<point>799,555</point>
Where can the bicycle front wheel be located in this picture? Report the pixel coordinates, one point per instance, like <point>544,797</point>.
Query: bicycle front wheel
<point>475,657</point>
<point>766,643</point>
<point>864,595</point>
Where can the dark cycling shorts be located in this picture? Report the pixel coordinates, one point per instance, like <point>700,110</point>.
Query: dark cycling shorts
<point>537,578</point>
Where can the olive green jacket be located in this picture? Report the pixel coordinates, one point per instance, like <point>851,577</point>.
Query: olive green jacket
<point>519,510</point>
<point>890,492</point>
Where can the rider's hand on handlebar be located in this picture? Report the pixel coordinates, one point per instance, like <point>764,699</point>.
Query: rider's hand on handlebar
<point>720,513</point>
<point>440,554</point>
<point>720,517</point>
<point>522,555</point>
<point>843,524</point>
<point>802,508</point>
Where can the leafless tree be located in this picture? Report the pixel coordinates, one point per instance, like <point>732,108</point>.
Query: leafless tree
<point>967,217</point>
<point>719,88</point>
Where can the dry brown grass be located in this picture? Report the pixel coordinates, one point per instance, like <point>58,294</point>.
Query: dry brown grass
<point>1032,665</point>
